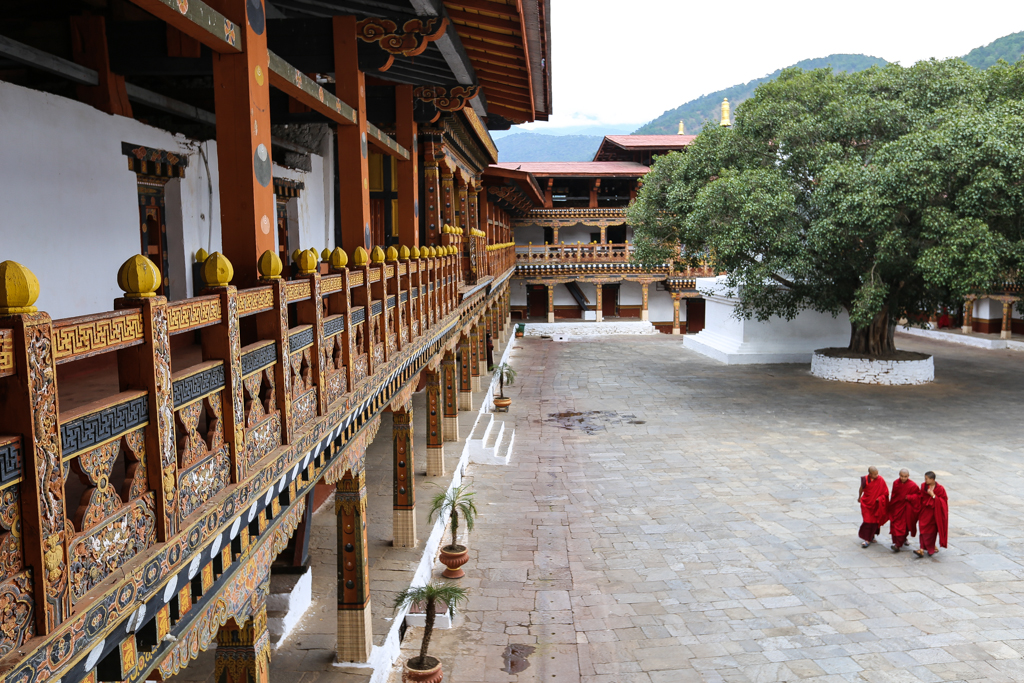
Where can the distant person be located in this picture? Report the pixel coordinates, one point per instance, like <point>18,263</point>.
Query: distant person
<point>934,518</point>
<point>944,321</point>
<point>903,507</point>
<point>874,505</point>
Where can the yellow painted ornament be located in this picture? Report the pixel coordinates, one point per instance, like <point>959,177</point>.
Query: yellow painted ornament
<point>360,258</point>
<point>308,262</point>
<point>325,255</point>
<point>415,252</point>
<point>295,255</point>
<point>392,254</point>
<point>404,253</point>
<point>377,255</point>
<point>202,255</point>
<point>217,270</point>
<point>339,259</point>
<point>138,277</point>
<point>20,289</point>
<point>270,266</point>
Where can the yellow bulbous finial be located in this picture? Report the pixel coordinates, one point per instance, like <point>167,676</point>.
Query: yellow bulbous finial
<point>217,270</point>
<point>377,255</point>
<point>202,255</point>
<point>682,128</point>
<point>391,254</point>
<point>295,255</point>
<point>19,289</point>
<point>404,253</point>
<point>325,255</point>
<point>359,257</point>
<point>339,259</point>
<point>725,113</point>
<point>139,278</point>
<point>414,252</point>
<point>307,262</point>
<point>431,252</point>
<point>270,266</point>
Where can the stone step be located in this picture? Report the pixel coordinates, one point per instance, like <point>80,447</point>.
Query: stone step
<point>482,428</point>
<point>494,437</point>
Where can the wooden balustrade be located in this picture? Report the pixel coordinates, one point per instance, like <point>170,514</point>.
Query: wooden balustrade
<point>118,496</point>
<point>574,253</point>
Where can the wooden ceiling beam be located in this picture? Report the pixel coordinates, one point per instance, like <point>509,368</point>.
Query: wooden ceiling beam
<point>489,50</point>
<point>513,115</point>
<point>504,87</point>
<point>485,6</point>
<point>497,71</point>
<point>500,23</point>
<point>490,37</point>
<point>511,102</point>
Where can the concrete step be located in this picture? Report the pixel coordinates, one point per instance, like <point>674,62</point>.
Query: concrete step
<point>291,594</point>
<point>494,437</point>
<point>482,428</point>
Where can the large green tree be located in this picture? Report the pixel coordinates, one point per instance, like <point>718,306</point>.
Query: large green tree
<point>886,193</point>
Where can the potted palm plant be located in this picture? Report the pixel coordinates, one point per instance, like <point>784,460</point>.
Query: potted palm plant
<point>506,375</point>
<point>424,668</point>
<point>453,503</point>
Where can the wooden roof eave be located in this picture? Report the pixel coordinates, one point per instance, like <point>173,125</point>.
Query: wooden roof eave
<point>524,179</point>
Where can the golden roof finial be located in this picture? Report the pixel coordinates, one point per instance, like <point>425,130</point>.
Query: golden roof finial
<point>725,113</point>
<point>682,128</point>
<point>19,289</point>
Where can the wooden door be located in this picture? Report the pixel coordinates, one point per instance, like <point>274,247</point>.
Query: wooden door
<point>152,229</point>
<point>694,315</point>
<point>537,301</point>
<point>610,301</point>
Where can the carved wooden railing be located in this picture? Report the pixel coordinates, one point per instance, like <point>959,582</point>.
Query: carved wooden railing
<point>574,253</point>
<point>107,517</point>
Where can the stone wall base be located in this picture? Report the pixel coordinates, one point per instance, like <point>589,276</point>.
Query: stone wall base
<point>864,371</point>
<point>451,428</point>
<point>404,528</point>
<point>435,461</point>
<point>355,634</point>
<point>466,399</point>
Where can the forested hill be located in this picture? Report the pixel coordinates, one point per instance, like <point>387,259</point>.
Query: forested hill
<point>708,108</point>
<point>1010,48</point>
<point>694,113</point>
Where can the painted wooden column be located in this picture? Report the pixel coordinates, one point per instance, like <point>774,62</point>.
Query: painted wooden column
<point>474,351</point>
<point>28,407</point>
<point>89,47</point>
<point>968,326</point>
<point>551,303</point>
<point>241,86</point>
<point>447,197</point>
<point>355,627</point>
<point>604,234</point>
<point>599,313</point>
<point>404,495</point>
<point>465,374</point>
<point>435,424</point>
<point>1007,330</point>
<point>644,313</point>
<point>434,196</point>
<point>353,157</point>
<point>408,171</point>
<point>675,312</point>
<point>243,652</point>
<point>450,387</point>
<point>476,253</point>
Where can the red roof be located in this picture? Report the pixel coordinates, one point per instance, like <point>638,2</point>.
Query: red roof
<point>578,168</point>
<point>651,141</point>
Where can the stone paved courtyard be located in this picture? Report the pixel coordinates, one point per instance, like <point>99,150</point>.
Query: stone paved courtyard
<point>669,519</point>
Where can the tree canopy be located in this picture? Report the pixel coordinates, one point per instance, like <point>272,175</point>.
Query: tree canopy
<point>889,192</point>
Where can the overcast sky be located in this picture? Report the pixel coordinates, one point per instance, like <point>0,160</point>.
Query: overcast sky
<point>618,61</point>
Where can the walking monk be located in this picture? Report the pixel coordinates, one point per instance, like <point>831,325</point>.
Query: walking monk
<point>874,505</point>
<point>934,518</point>
<point>903,507</point>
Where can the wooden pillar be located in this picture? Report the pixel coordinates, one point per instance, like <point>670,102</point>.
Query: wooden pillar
<point>551,303</point>
<point>28,408</point>
<point>353,158</point>
<point>434,198</point>
<point>404,497</point>
<point>89,48</point>
<point>554,235</point>
<point>408,183</point>
<point>241,85</point>
<point>447,197</point>
<point>474,352</point>
<point>644,313</point>
<point>675,312</point>
<point>1007,330</point>
<point>968,326</point>
<point>450,387</point>
<point>604,234</point>
<point>243,652</point>
<point>435,424</point>
<point>465,374</point>
<point>599,317</point>
<point>475,252</point>
<point>355,628</point>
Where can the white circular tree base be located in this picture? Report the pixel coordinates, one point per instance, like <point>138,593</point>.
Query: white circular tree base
<point>889,372</point>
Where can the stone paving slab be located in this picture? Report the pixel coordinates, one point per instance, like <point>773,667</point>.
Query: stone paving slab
<point>666,519</point>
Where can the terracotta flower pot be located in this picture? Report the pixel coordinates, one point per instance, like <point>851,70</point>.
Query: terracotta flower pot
<point>519,334</point>
<point>454,557</point>
<point>431,675</point>
<point>502,402</point>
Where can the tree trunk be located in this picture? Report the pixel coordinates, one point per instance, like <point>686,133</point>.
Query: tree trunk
<point>876,339</point>
<point>428,630</point>
<point>455,527</point>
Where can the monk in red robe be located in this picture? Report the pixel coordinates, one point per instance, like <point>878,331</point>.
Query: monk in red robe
<point>934,517</point>
<point>874,505</point>
<point>903,507</point>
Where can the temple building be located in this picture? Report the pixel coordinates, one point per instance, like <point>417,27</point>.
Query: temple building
<point>242,239</point>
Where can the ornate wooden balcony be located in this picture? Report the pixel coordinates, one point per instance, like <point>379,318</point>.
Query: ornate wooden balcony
<point>134,526</point>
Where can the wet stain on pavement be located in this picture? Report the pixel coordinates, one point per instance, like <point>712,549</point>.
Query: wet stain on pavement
<point>592,421</point>
<point>515,658</point>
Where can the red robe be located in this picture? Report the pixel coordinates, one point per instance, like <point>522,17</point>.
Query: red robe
<point>874,502</point>
<point>934,516</point>
<point>903,506</point>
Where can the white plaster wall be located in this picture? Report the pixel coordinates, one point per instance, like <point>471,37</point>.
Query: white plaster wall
<point>589,290</point>
<point>563,297</point>
<point>659,306</point>
<point>70,210</point>
<point>312,205</point>
<point>988,308</point>
<point>576,233</point>
<point>518,292</point>
<point>632,294</point>
<point>529,233</point>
